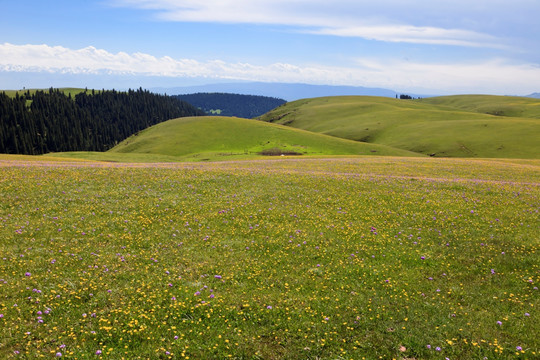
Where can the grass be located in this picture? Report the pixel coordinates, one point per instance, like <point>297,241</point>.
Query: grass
<point>31,158</point>
<point>219,138</point>
<point>493,105</point>
<point>345,258</point>
<point>492,138</point>
<point>115,157</point>
<point>454,126</point>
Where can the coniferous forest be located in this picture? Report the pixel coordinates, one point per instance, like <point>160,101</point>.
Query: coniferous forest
<point>50,121</point>
<point>224,104</point>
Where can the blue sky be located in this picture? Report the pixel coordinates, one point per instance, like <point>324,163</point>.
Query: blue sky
<point>422,46</point>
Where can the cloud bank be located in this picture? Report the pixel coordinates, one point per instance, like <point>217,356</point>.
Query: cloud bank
<point>420,22</point>
<point>494,76</point>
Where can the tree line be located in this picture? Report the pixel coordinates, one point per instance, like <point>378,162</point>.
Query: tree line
<point>51,121</point>
<point>225,104</point>
<point>406,97</point>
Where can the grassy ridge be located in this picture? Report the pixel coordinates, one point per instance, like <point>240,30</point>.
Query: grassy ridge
<point>493,105</point>
<point>491,138</point>
<point>372,257</point>
<point>224,137</point>
<point>445,126</point>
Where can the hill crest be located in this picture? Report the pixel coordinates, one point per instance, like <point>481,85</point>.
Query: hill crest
<point>454,126</point>
<point>218,138</point>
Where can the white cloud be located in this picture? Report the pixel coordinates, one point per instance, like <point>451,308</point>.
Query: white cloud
<point>493,76</point>
<point>415,34</point>
<point>420,21</point>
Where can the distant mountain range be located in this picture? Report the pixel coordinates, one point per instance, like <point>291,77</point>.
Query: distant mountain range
<point>285,91</point>
<point>534,95</point>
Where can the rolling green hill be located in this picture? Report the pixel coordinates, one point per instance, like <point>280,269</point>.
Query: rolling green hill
<point>214,138</point>
<point>488,104</point>
<point>446,126</point>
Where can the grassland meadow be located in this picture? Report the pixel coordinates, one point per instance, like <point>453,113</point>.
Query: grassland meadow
<point>344,258</point>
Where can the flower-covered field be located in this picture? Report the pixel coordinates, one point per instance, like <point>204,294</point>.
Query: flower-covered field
<point>284,259</point>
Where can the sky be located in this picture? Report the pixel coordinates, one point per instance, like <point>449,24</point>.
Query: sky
<point>420,46</point>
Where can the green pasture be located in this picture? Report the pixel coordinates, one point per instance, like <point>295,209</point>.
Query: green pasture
<point>345,258</point>
<point>446,126</point>
<point>512,106</point>
<point>221,138</point>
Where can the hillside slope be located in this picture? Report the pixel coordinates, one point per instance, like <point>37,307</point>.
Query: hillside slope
<point>211,138</point>
<point>513,106</point>
<point>439,127</point>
